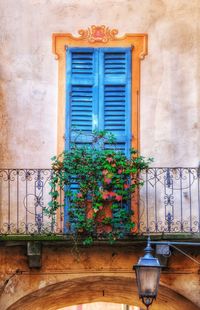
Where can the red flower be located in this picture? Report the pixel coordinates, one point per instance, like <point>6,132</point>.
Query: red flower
<point>107,180</point>
<point>111,194</point>
<point>126,186</point>
<point>104,172</point>
<point>109,159</point>
<point>79,195</point>
<point>105,195</point>
<point>118,198</point>
<point>119,171</point>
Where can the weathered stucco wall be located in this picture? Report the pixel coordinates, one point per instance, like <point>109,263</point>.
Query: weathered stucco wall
<point>170,74</point>
<point>71,275</point>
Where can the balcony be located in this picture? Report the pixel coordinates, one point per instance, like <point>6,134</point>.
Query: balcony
<point>169,203</point>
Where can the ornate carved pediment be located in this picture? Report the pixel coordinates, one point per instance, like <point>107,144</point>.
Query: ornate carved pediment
<point>98,34</point>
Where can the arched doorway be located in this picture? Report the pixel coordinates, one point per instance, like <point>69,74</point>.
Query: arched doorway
<point>89,289</point>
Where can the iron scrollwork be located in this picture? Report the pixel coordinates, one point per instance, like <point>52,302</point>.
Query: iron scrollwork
<point>169,201</point>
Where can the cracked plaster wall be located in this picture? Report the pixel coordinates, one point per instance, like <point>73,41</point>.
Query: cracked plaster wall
<point>169,85</point>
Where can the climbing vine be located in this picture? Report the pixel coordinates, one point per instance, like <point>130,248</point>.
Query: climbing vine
<point>98,183</point>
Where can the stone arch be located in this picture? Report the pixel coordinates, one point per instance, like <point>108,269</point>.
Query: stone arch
<point>97,288</point>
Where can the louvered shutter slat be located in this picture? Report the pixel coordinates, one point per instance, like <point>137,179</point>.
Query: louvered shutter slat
<point>82,63</point>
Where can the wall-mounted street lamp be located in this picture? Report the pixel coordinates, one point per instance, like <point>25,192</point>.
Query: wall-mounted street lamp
<point>148,270</point>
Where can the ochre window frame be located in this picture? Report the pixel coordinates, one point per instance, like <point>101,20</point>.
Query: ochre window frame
<point>99,36</point>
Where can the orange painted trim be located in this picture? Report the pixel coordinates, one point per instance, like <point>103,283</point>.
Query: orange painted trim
<point>100,36</point>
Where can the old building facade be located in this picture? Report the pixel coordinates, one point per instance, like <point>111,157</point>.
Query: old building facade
<point>163,37</point>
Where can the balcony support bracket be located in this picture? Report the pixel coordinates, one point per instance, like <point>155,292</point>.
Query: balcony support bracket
<point>34,253</point>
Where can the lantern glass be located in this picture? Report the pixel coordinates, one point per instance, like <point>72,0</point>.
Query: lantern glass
<point>147,280</point>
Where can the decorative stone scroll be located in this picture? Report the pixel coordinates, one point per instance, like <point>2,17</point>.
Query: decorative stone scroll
<point>98,34</point>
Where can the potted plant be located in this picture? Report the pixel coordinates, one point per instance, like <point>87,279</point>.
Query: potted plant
<point>98,184</point>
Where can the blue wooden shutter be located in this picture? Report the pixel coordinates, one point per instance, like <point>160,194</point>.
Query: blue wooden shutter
<point>115,94</point>
<point>81,101</point>
<point>81,94</point>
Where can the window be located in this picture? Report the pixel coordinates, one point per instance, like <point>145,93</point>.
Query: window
<point>101,82</point>
<point>99,93</point>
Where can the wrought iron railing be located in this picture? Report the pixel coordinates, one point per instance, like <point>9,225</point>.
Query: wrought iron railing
<point>169,202</point>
